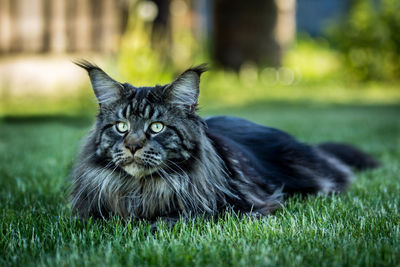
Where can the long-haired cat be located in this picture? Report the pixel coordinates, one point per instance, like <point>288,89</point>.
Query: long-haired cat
<point>150,156</point>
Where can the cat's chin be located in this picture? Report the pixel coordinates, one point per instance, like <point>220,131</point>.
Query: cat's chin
<point>138,171</point>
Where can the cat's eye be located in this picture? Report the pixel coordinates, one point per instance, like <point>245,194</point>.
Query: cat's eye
<point>156,127</point>
<point>121,127</point>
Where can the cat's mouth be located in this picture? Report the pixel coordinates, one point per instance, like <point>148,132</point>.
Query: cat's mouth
<point>126,161</point>
<point>138,162</point>
<point>139,171</point>
<point>138,168</point>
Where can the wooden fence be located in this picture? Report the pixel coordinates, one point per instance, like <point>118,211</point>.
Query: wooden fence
<point>45,26</point>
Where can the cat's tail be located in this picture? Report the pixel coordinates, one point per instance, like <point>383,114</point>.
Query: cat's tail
<point>350,156</point>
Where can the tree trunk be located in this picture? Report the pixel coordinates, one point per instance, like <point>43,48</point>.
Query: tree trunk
<point>256,31</point>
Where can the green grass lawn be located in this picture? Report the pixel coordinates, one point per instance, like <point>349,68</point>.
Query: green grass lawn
<point>360,227</point>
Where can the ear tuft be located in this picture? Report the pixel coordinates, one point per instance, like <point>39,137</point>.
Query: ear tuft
<point>87,65</point>
<point>199,69</point>
<point>185,89</point>
<point>105,88</point>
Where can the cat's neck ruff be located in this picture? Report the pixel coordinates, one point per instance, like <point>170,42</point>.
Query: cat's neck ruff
<point>164,191</point>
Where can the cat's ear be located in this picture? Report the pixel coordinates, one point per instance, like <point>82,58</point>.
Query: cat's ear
<point>105,88</point>
<point>184,90</point>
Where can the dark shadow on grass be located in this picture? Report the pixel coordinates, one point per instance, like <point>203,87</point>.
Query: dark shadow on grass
<point>86,119</point>
<point>310,104</point>
<point>297,105</point>
<point>75,121</point>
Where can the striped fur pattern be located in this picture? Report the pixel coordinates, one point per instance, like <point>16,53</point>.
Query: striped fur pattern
<point>187,165</point>
<point>176,171</point>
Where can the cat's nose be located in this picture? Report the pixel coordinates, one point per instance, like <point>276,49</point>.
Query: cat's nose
<point>134,142</point>
<point>133,147</point>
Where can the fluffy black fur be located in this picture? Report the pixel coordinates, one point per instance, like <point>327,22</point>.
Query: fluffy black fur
<point>193,166</point>
<point>273,159</point>
<point>350,156</point>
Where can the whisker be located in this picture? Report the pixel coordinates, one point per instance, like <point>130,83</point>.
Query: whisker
<point>86,173</point>
<point>188,198</point>
<point>101,192</point>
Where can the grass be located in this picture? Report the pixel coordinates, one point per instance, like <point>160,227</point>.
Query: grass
<point>360,227</point>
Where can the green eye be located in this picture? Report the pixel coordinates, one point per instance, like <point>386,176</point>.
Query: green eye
<point>122,127</point>
<point>156,127</point>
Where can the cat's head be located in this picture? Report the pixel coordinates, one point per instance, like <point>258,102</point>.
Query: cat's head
<point>146,130</point>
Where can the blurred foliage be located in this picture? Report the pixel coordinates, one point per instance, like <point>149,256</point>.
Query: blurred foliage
<point>268,86</point>
<point>365,47</point>
<point>312,72</point>
<point>370,39</point>
<point>80,103</point>
<point>313,60</point>
<point>147,56</point>
<point>137,61</point>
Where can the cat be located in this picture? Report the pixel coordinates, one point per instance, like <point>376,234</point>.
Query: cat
<point>150,156</point>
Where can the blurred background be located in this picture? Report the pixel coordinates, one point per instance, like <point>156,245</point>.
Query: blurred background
<point>312,51</point>
<point>322,70</point>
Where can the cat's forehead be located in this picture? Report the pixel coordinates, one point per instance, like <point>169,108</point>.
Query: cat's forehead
<point>150,94</point>
<point>144,109</point>
<point>143,102</point>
